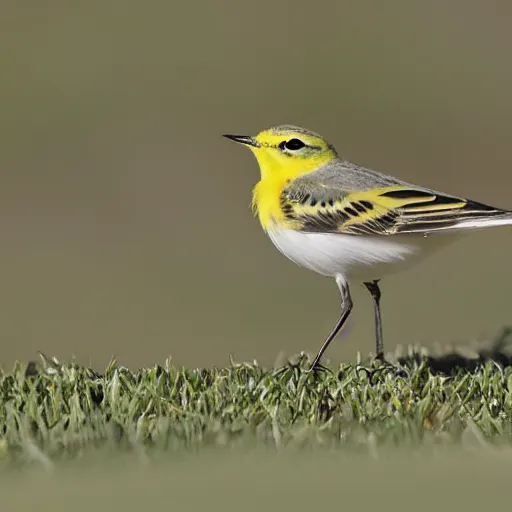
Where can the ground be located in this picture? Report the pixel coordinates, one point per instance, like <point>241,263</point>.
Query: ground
<point>353,422</point>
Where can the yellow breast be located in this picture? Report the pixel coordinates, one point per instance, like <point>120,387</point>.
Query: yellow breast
<point>266,201</point>
<point>276,171</point>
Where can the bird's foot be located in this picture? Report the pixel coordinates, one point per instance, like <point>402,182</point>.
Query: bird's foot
<point>380,365</point>
<point>316,368</point>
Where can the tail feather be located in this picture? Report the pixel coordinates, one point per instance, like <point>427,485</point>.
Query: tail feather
<point>486,222</point>
<point>464,215</point>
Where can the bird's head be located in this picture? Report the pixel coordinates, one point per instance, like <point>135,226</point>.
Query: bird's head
<point>287,150</point>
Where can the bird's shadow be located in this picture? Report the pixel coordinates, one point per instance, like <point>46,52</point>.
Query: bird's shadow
<point>453,361</point>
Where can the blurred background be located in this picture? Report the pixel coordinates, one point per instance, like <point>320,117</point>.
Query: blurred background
<point>125,225</point>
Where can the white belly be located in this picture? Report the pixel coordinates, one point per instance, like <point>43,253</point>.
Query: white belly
<point>359,257</point>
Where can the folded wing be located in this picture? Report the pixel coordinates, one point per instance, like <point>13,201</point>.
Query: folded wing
<point>322,207</point>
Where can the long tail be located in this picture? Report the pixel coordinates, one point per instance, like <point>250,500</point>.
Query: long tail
<point>485,222</point>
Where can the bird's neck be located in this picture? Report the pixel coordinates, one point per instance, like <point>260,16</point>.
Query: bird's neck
<point>266,198</point>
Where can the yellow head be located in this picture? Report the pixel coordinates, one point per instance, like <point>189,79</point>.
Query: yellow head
<point>283,153</point>
<point>287,151</point>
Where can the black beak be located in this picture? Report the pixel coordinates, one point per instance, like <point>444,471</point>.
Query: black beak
<point>243,139</point>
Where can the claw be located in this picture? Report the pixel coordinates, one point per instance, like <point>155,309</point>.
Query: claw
<point>385,366</point>
<point>318,367</point>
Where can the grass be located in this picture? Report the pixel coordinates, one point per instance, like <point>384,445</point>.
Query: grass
<point>51,411</point>
<point>437,432</point>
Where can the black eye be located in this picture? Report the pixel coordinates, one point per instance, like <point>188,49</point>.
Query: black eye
<point>292,144</point>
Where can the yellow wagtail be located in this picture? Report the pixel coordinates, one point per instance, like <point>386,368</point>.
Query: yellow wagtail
<point>344,221</point>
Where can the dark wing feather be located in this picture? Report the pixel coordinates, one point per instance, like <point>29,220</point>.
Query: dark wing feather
<point>383,211</point>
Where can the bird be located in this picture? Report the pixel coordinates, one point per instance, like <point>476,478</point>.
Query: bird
<point>348,222</point>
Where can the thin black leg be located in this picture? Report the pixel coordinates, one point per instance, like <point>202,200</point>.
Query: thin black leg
<point>346,308</point>
<point>373,288</point>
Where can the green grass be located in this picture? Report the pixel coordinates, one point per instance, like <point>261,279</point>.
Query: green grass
<point>50,411</point>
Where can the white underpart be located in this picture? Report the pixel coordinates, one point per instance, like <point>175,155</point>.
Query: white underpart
<point>349,255</point>
<point>366,257</point>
